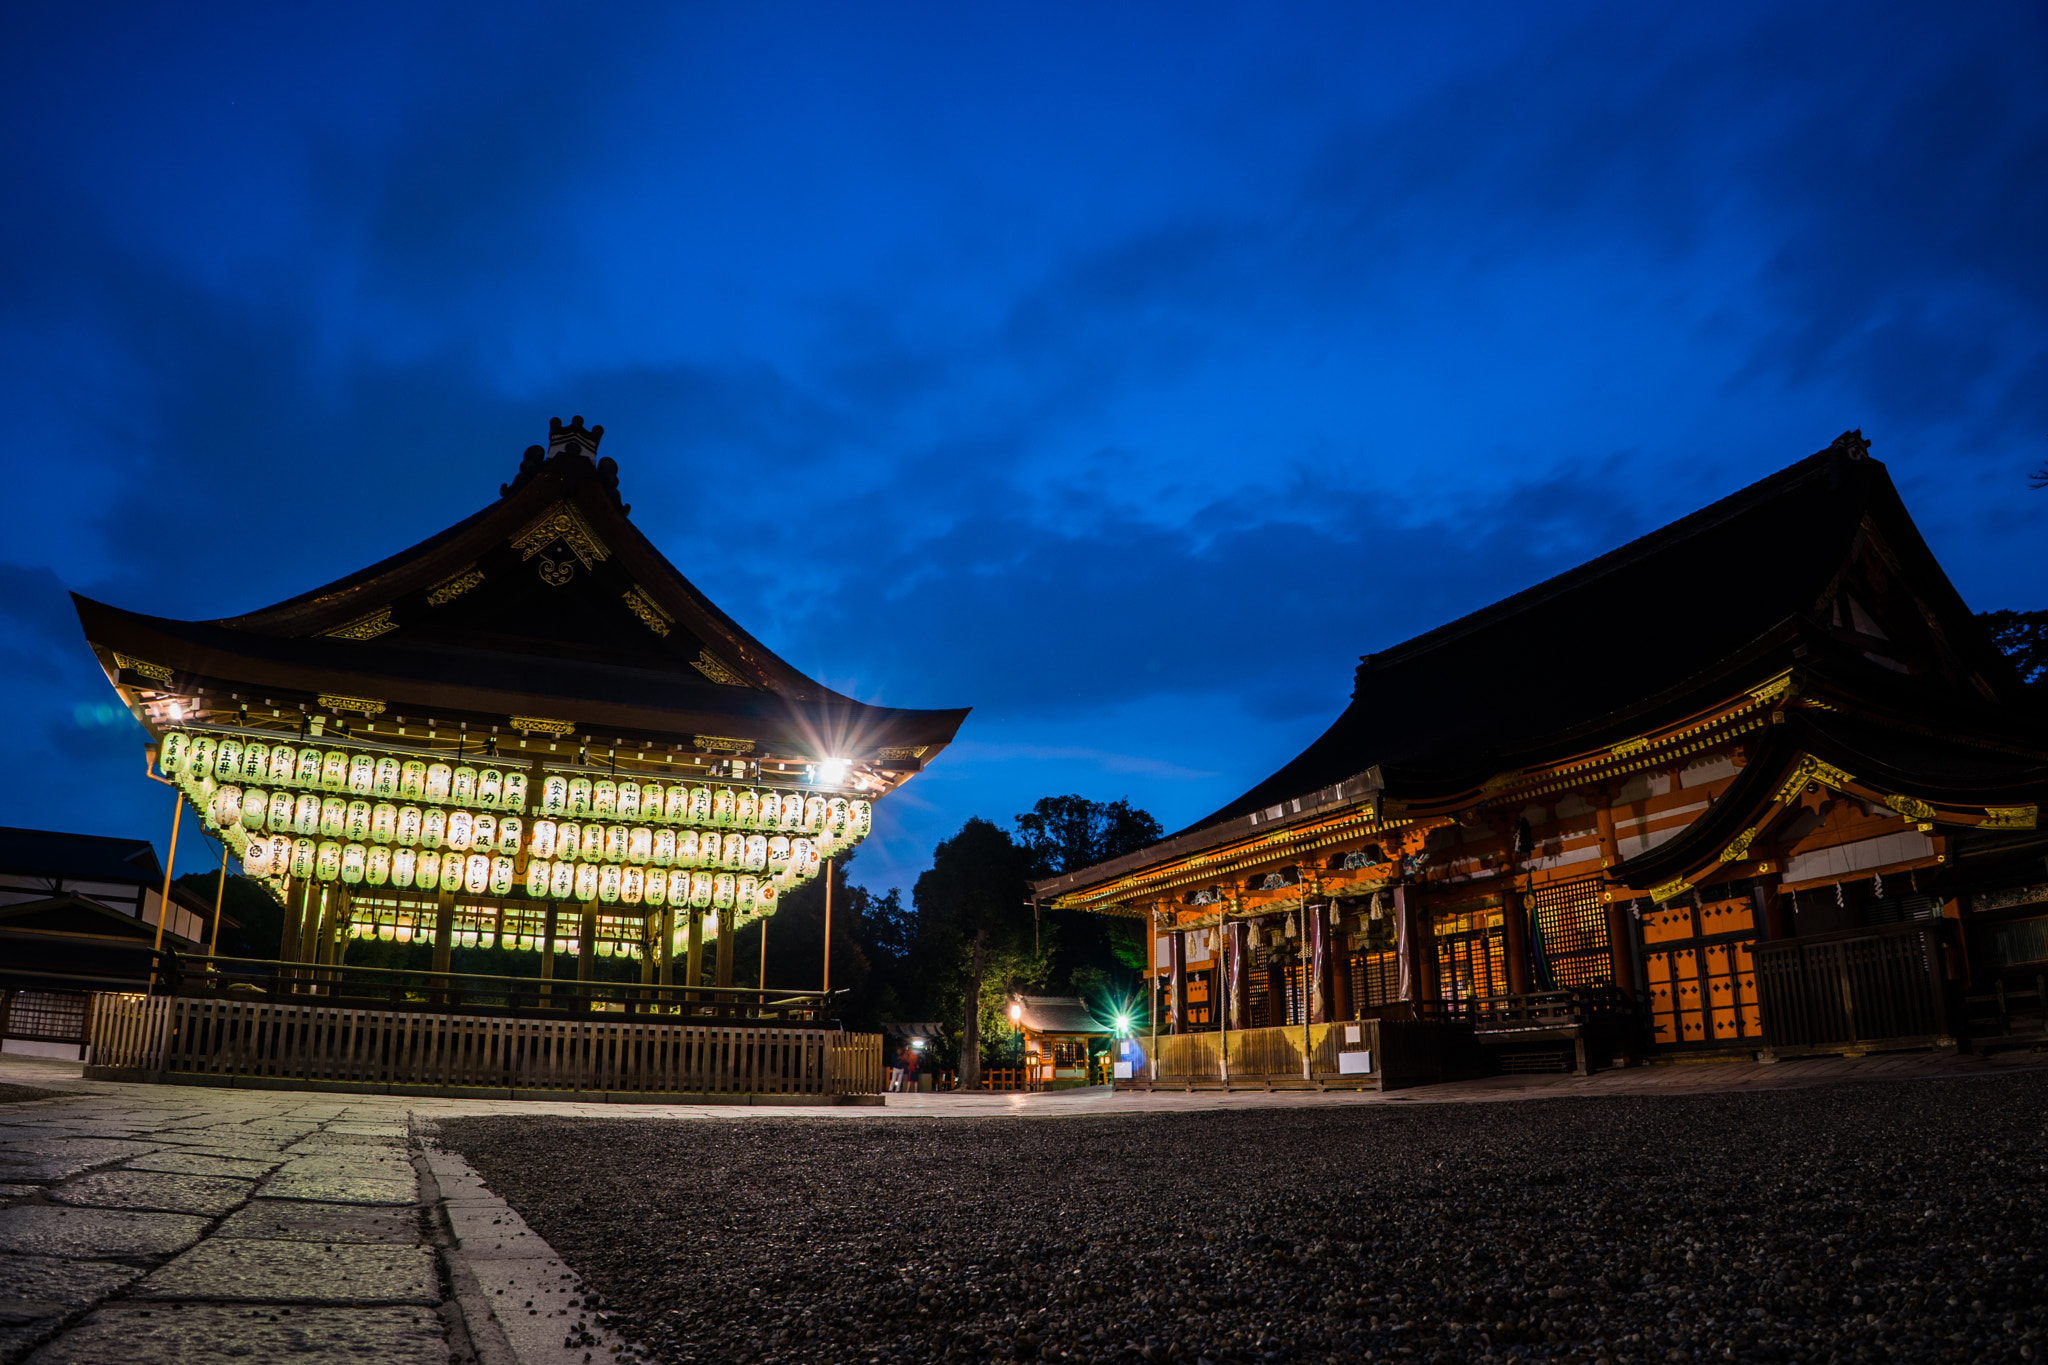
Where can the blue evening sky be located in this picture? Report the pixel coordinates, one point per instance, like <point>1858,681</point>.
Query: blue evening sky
<point>1121,371</point>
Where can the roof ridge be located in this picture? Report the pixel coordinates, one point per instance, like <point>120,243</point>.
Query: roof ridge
<point>1629,552</point>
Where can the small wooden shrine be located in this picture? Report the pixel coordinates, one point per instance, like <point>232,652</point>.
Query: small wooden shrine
<point>1757,781</point>
<point>528,730</point>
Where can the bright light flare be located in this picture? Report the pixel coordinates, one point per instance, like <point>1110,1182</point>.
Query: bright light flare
<point>832,772</point>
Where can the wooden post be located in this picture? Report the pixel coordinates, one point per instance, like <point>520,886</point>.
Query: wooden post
<point>1318,985</point>
<point>828,930</point>
<point>764,954</point>
<point>1342,1006</point>
<point>586,954</point>
<point>667,930</point>
<point>444,943</point>
<point>220,891</point>
<point>648,948</point>
<point>1240,978</point>
<point>294,912</point>
<point>1515,940</point>
<point>309,926</point>
<point>163,912</point>
<point>693,957</point>
<point>722,963</point>
<point>1179,993</point>
<point>547,953</point>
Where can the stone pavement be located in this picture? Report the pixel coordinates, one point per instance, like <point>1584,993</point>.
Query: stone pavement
<point>160,1223</point>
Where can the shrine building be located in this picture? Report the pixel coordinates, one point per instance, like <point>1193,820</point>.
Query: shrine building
<point>1755,783</point>
<point>529,730</point>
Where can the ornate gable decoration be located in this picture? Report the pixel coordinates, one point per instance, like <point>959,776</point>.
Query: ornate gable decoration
<point>649,611</point>
<point>716,669</point>
<point>365,627</point>
<point>561,525</point>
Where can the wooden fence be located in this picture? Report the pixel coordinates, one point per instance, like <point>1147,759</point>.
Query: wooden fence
<point>183,1036</point>
<point>1885,985</point>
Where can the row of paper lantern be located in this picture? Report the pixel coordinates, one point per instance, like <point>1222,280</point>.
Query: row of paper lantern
<point>254,811</point>
<point>614,939</point>
<point>203,762</point>
<point>481,874</point>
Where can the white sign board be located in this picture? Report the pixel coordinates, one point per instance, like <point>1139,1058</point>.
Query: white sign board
<point>1122,1070</point>
<point>1352,1033</point>
<point>1354,1063</point>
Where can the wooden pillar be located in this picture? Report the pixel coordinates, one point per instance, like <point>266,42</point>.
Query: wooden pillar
<point>1316,926</point>
<point>1240,977</point>
<point>294,915</point>
<point>1621,945</point>
<point>693,955</point>
<point>648,948</point>
<point>547,952</point>
<point>1342,1006</point>
<point>444,930</point>
<point>1773,911</point>
<point>309,926</point>
<point>1276,984</point>
<point>1178,994</point>
<point>1418,946</point>
<point>722,962</point>
<point>1514,918</point>
<point>586,952</point>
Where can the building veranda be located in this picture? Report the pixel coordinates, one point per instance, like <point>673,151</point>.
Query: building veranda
<point>1756,783</point>
<point>530,730</point>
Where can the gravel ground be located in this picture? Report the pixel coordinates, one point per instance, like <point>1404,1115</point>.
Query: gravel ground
<point>1856,1222</point>
<point>15,1094</point>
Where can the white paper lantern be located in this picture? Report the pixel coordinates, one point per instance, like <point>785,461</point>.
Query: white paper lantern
<point>334,770</point>
<point>171,753</point>
<point>614,843</point>
<point>433,828</point>
<point>385,783</point>
<point>586,881</point>
<point>724,802</point>
<point>860,818</point>
<point>687,854</point>
<point>284,765</point>
<point>814,814</point>
<point>675,805</point>
<point>452,869</point>
<point>562,881</point>
<point>604,797</point>
<point>383,822</point>
<point>590,849</point>
<point>411,824</point>
<point>404,862</point>
<point>542,844</point>
<point>353,859</point>
<point>700,889</point>
<point>579,796</point>
<point>678,890</point>
<point>662,851</point>
<point>327,862</point>
<point>746,807</point>
<point>255,761</point>
<point>227,760</point>
<point>513,795</point>
<point>608,884</point>
<point>199,758</point>
<point>476,874</point>
<point>461,825</point>
<point>734,854</point>
<point>721,890</point>
<point>362,775</point>
<point>412,779</point>
<point>256,858</point>
<point>766,897</point>
<point>537,878</point>
<point>355,823</point>
<point>490,787</point>
<point>554,798</point>
<point>657,885</point>
<point>632,882</point>
<point>756,856</point>
<point>462,786</point>
<point>639,842</point>
<point>743,893</point>
<point>439,775</point>
<point>306,771</point>
<point>226,806</point>
<point>377,866</point>
<point>427,870</point>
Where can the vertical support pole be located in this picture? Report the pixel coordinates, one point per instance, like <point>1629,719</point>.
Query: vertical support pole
<point>1515,940</point>
<point>1178,994</point>
<point>763,984</point>
<point>547,953</point>
<point>163,912</point>
<point>1318,927</point>
<point>722,963</point>
<point>1240,978</point>
<point>294,914</point>
<point>220,891</point>
<point>828,928</point>
<point>1342,1007</point>
<point>693,957</point>
<point>309,926</point>
<point>667,921</point>
<point>586,955</point>
<point>648,948</point>
<point>444,943</point>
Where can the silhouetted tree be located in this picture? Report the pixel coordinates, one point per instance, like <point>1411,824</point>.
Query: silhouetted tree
<point>1099,956</point>
<point>974,926</point>
<point>2022,636</point>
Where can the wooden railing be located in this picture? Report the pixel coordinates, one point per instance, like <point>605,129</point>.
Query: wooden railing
<point>165,1036</point>
<point>209,976</point>
<point>1885,984</point>
<point>1265,1056</point>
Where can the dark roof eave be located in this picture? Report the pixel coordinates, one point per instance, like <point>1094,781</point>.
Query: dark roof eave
<point>1350,792</point>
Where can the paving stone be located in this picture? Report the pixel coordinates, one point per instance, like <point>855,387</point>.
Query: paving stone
<point>62,1158</point>
<point>33,1287</point>
<point>204,1163</point>
<point>208,1194</point>
<point>368,1129</point>
<point>202,1334</point>
<point>291,1220</point>
<point>250,1271</point>
<point>15,1340</point>
<point>490,1230</point>
<point>18,1191</point>
<point>40,1230</point>
<point>342,1189</point>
